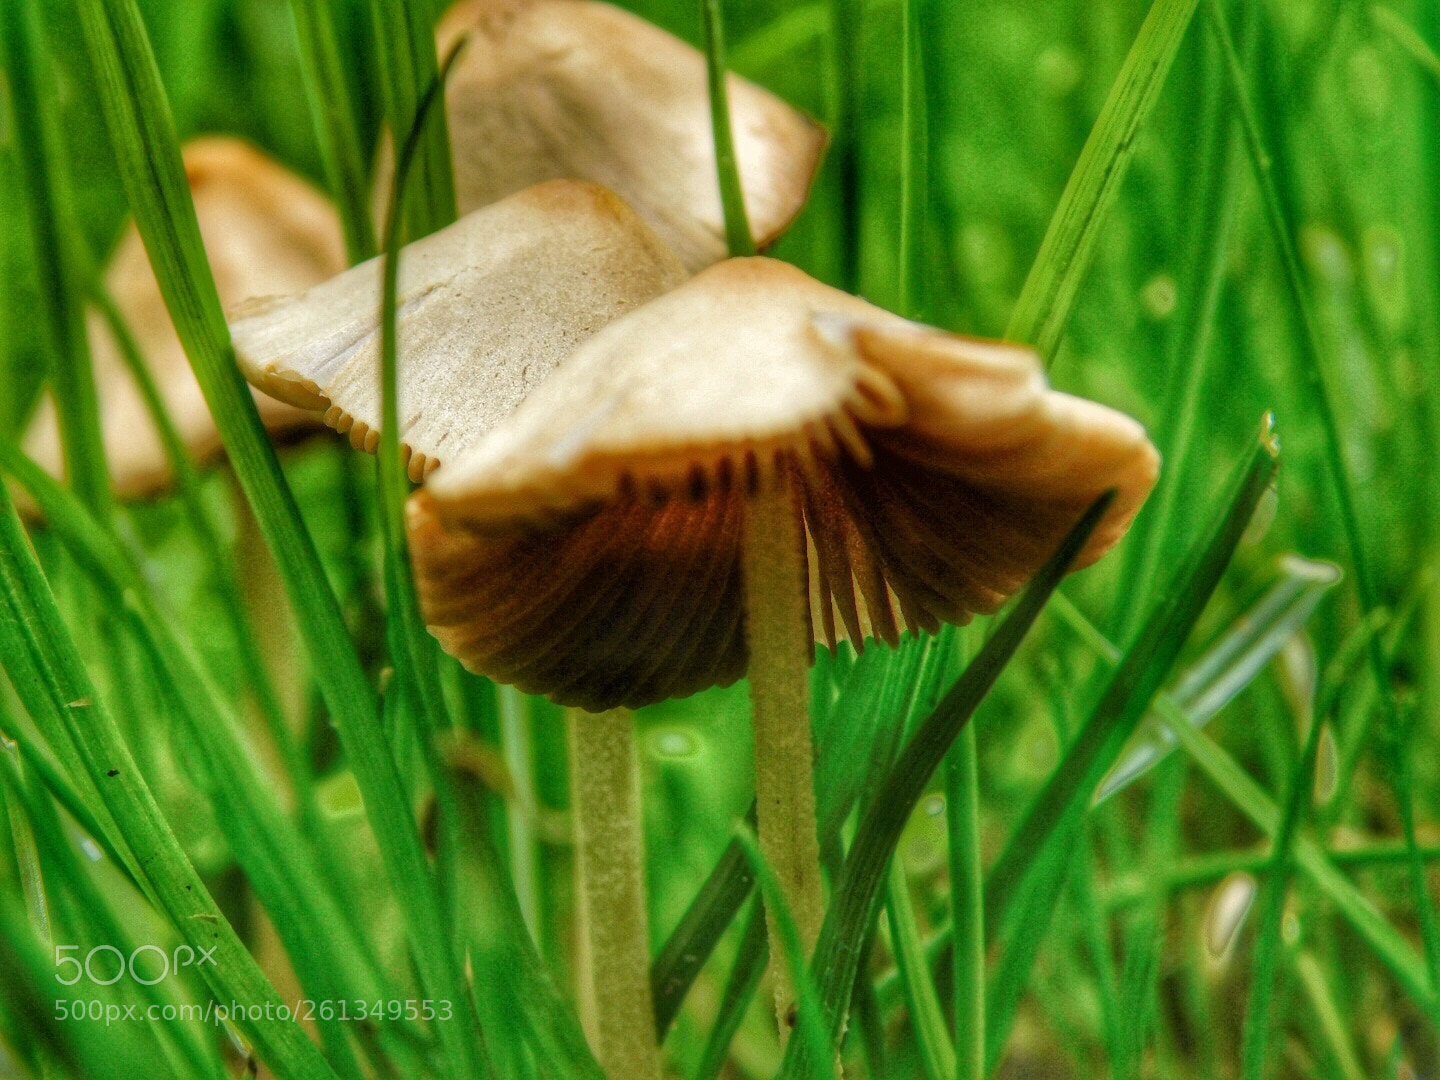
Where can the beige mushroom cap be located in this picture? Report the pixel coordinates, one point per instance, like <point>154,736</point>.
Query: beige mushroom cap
<point>548,89</point>
<point>487,308</point>
<point>589,547</point>
<point>265,231</point>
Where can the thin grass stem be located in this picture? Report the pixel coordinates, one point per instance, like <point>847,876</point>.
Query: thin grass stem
<point>1048,297</point>
<point>156,857</point>
<point>738,237</point>
<point>334,116</point>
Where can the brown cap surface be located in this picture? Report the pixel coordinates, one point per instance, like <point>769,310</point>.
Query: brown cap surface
<point>549,89</point>
<point>265,231</point>
<point>487,308</point>
<point>588,548</point>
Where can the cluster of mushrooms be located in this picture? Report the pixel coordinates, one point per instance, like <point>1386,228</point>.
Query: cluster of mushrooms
<point>645,469</point>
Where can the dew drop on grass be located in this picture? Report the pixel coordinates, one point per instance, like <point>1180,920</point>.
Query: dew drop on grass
<point>1327,767</point>
<point>1382,262</point>
<point>1229,905</point>
<point>674,743</point>
<point>1370,83</point>
<point>985,249</point>
<point>1059,70</point>
<point>1159,297</point>
<point>1382,249</point>
<point>1298,676</point>
<point>1326,254</point>
<point>1263,517</point>
<point>924,844</point>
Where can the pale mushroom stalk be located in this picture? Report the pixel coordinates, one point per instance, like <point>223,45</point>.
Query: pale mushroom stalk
<point>777,624</point>
<point>610,873</point>
<point>779,640</point>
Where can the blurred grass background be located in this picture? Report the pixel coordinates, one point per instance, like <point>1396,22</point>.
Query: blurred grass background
<point>1185,320</point>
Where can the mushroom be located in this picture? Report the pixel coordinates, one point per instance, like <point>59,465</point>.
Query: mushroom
<point>576,88</point>
<point>748,464</point>
<point>487,307</point>
<point>486,310</point>
<point>265,231</point>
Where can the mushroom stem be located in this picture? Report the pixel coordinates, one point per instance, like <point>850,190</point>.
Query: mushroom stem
<point>779,640</point>
<point>610,884</point>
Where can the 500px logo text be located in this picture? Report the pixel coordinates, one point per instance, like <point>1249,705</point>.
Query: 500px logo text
<point>105,965</point>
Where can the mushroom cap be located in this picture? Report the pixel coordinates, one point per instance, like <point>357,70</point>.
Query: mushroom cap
<point>487,307</point>
<point>589,547</point>
<point>548,89</point>
<point>265,230</point>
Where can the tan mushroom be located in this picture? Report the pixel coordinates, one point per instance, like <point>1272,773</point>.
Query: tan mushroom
<point>935,474</point>
<point>487,308</point>
<point>265,231</point>
<point>749,433</point>
<point>548,89</point>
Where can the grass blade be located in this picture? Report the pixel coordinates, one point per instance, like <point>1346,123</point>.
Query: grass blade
<point>185,1045</point>
<point>501,945</point>
<point>690,944</point>
<point>283,867</point>
<point>751,959</point>
<point>335,129</point>
<point>852,909</point>
<point>143,135</point>
<point>404,38</point>
<point>46,188</point>
<point>279,864</point>
<point>937,1054</point>
<point>155,855</point>
<point>27,856</point>
<point>1313,369</point>
<point>914,163</point>
<point>1134,684</point>
<point>1064,258</point>
<point>1272,908</point>
<point>967,904</point>
<point>738,236</point>
<point>207,535</point>
<point>809,1021</point>
<point>847,27</point>
<point>1383,939</point>
<point>1228,666</point>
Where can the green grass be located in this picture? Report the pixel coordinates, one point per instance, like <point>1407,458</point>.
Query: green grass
<point>1198,212</point>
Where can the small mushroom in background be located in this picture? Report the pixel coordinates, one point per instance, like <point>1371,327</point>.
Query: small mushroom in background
<point>753,462</point>
<point>549,89</point>
<point>265,231</point>
<point>487,308</point>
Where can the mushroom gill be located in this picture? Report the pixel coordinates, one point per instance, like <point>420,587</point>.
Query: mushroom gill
<point>265,231</point>
<point>589,548</point>
<point>487,308</point>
